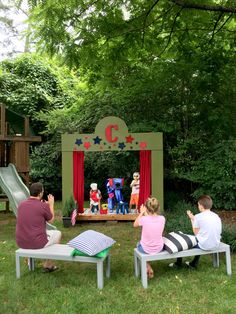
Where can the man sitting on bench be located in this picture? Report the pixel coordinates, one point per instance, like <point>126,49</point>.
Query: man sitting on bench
<point>206,226</point>
<point>32,216</point>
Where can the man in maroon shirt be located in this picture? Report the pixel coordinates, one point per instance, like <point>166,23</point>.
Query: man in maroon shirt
<point>32,216</point>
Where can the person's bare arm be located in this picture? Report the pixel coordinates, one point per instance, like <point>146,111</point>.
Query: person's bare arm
<point>191,217</point>
<point>51,206</point>
<point>142,213</point>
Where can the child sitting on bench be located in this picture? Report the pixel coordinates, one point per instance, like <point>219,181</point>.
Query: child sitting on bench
<point>206,226</point>
<point>152,224</point>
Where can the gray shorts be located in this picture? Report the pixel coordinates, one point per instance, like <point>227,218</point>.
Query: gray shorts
<point>54,237</point>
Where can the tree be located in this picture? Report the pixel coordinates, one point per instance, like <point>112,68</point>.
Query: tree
<point>12,27</point>
<point>100,33</point>
<point>30,85</point>
<point>160,65</point>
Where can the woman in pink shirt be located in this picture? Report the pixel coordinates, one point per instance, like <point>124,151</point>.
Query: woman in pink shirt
<point>152,224</point>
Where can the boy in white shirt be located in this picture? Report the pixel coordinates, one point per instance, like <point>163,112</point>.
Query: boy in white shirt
<point>207,228</point>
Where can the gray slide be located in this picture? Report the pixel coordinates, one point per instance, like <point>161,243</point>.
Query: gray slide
<point>13,186</point>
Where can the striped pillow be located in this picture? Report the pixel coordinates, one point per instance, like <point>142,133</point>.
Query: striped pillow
<point>91,242</point>
<point>178,241</point>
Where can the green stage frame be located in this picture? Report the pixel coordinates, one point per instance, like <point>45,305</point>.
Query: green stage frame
<point>112,134</point>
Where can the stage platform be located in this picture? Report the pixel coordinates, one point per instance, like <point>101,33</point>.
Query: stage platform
<point>106,217</point>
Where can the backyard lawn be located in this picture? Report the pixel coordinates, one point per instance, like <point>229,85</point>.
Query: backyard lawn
<point>73,288</point>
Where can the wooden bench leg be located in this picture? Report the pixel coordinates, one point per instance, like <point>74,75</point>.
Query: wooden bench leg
<point>228,261</point>
<point>216,260</point>
<point>100,274</point>
<point>144,273</point>
<point>108,267</point>
<point>17,266</point>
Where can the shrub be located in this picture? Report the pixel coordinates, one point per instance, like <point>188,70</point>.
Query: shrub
<point>229,236</point>
<point>68,207</point>
<point>177,219</point>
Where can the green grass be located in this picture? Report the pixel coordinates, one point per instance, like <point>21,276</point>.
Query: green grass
<point>73,288</point>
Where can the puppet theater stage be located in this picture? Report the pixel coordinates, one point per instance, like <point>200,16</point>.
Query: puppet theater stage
<point>111,134</point>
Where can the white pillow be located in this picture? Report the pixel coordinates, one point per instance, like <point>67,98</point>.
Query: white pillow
<point>91,242</point>
<point>178,241</point>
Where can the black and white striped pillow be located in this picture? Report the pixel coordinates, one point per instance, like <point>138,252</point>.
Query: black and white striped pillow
<point>91,242</point>
<point>178,241</point>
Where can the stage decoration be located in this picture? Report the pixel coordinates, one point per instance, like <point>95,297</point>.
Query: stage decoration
<point>114,191</point>
<point>112,134</point>
<point>104,209</point>
<point>78,179</point>
<point>135,184</point>
<point>95,198</point>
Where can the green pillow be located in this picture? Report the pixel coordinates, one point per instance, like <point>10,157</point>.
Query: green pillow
<point>103,253</point>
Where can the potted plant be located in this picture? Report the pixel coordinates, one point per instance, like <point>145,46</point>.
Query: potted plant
<point>67,210</point>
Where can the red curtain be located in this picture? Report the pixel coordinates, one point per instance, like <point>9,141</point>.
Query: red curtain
<point>78,179</point>
<point>145,175</point>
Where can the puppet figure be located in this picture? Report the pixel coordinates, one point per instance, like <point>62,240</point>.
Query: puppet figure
<point>95,197</point>
<point>135,191</point>
<point>114,190</point>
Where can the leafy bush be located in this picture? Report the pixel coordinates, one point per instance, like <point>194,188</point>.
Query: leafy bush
<point>68,207</point>
<point>45,165</point>
<point>177,219</point>
<point>229,236</point>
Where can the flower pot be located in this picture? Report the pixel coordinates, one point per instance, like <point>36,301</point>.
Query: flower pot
<point>66,222</point>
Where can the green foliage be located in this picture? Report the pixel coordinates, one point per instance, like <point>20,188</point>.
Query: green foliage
<point>30,84</point>
<point>45,166</point>
<point>154,64</point>
<point>191,101</point>
<point>68,207</point>
<point>177,219</point>
<point>229,236</point>
<point>214,174</point>
<point>97,34</point>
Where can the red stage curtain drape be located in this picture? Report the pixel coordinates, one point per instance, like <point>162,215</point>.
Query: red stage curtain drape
<point>145,175</point>
<point>78,179</point>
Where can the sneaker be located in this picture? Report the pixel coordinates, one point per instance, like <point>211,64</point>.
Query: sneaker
<point>174,265</point>
<point>188,264</point>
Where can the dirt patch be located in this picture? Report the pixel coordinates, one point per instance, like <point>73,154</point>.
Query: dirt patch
<point>227,217</point>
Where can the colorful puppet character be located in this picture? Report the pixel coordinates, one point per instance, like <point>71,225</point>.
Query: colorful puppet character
<point>114,190</point>
<point>111,195</point>
<point>134,198</point>
<point>104,209</point>
<point>95,197</point>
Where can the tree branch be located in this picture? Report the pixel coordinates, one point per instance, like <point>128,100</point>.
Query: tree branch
<point>205,7</point>
<point>146,17</point>
<point>228,18</point>
<point>172,30</point>
<point>215,25</point>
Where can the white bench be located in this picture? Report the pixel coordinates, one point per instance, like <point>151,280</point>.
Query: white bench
<point>62,252</point>
<point>140,259</point>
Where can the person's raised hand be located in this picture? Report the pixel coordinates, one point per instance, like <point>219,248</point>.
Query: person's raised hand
<point>190,214</point>
<point>50,199</point>
<point>143,209</point>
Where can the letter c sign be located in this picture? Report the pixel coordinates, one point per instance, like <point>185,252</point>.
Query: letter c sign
<point>108,132</point>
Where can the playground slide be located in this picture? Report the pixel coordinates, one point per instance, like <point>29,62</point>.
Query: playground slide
<point>13,186</point>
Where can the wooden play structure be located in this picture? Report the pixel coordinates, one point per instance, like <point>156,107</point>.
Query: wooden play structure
<point>15,138</point>
<point>111,134</point>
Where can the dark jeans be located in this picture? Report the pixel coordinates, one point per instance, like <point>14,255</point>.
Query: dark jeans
<point>193,263</point>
